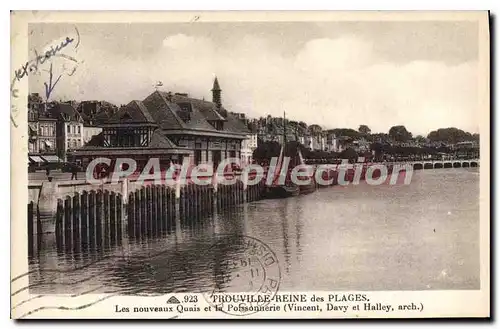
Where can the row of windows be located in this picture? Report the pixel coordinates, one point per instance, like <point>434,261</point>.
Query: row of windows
<point>47,130</point>
<point>74,129</point>
<point>46,146</point>
<point>74,143</point>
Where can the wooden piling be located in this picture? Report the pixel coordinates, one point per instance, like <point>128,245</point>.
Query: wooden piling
<point>143,203</point>
<point>154,215</point>
<point>112,218</point>
<point>149,210</point>
<point>92,219</point>
<point>159,206</point>
<point>138,214</point>
<point>105,219</point>
<point>84,220</point>
<point>121,225</point>
<point>31,217</point>
<point>99,218</point>
<point>76,222</point>
<point>168,205</point>
<point>60,224</point>
<point>67,223</point>
<point>131,214</point>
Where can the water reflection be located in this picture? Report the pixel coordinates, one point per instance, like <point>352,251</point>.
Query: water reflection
<point>421,236</point>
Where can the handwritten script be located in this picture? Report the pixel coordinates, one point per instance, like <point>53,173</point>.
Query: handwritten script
<point>32,66</point>
<point>51,85</point>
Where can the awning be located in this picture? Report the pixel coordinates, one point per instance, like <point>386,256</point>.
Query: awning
<point>36,159</point>
<point>51,158</point>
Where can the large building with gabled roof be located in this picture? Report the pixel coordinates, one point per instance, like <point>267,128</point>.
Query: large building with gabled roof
<point>172,127</point>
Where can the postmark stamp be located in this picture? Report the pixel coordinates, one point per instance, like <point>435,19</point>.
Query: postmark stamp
<point>247,280</point>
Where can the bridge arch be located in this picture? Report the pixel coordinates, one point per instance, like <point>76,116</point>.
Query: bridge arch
<point>457,165</point>
<point>428,165</point>
<point>448,165</point>
<point>473,164</point>
<point>465,165</point>
<point>438,165</point>
<point>418,166</point>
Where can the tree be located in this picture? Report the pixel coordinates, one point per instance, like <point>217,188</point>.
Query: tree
<point>303,125</point>
<point>315,129</point>
<point>380,137</point>
<point>420,139</point>
<point>364,129</point>
<point>345,132</point>
<point>450,135</point>
<point>266,150</point>
<point>349,154</point>
<point>399,133</point>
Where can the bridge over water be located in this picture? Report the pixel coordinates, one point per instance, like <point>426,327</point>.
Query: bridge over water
<point>438,164</point>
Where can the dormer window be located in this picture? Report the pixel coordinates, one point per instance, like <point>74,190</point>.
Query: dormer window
<point>217,124</point>
<point>185,111</point>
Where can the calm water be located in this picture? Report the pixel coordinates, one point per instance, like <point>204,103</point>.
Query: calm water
<point>416,237</point>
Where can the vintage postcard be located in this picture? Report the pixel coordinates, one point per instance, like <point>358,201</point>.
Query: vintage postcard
<point>243,165</point>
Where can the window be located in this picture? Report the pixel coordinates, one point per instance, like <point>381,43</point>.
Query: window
<point>197,157</point>
<point>69,129</point>
<point>79,130</point>
<point>79,143</point>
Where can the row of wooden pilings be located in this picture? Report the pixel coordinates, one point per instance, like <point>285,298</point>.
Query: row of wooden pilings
<point>99,219</point>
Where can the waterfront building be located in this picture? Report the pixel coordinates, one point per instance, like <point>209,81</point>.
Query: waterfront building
<point>42,146</point>
<point>97,111</point>
<point>69,128</point>
<point>249,144</point>
<point>90,129</point>
<point>332,143</point>
<point>360,145</point>
<point>171,127</point>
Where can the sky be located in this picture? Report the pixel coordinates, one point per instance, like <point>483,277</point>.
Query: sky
<point>423,75</point>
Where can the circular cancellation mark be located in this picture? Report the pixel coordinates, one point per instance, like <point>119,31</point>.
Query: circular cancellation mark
<point>247,275</point>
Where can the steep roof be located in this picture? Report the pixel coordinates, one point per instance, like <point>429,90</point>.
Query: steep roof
<point>133,112</point>
<point>178,112</point>
<point>159,140</point>
<point>208,109</point>
<point>65,111</point>
<point>162,111</point>
<point>234,124</point>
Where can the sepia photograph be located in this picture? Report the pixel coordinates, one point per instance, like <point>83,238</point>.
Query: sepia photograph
<point>232,166</point>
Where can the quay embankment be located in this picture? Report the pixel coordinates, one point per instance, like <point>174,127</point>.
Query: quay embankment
<point>60,210</point>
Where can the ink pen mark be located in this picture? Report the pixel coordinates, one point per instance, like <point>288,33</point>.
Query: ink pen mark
<point>78,35</point>
<point>67,57</point>
<point>72,72</point>
<point>50,87</point>
<point>32,66</point>
<point>13,121</point>
<point>13,108</point>
<point>195,18</point>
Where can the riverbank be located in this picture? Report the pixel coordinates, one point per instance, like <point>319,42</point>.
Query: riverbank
<point>412,237</point>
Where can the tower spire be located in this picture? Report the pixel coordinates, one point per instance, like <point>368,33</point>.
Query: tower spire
<point>216,93</point>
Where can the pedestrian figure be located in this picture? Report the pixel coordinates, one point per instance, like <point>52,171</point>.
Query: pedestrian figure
<point>74,172</point>
<point>103,172</point>
<point>48,172</point>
